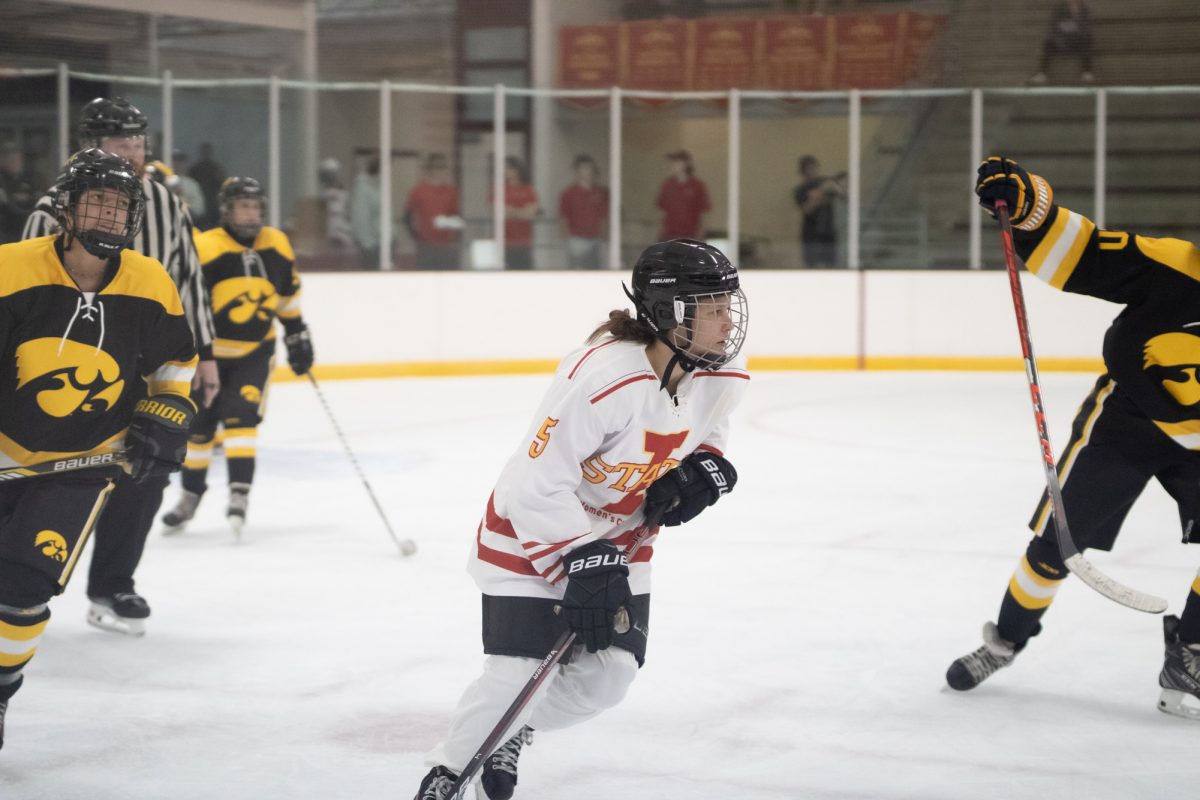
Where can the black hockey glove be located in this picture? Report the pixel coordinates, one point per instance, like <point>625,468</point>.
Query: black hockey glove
<point>597,587</point>
<point>156,441</point>
<point>695,484</point>
<point>299,350</point>
<point>1028,196</point>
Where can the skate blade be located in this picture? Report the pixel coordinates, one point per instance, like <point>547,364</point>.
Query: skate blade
<point>173,530</point>
<point>236,523</point>
<point>104,619</point>
<point>1179,704</point>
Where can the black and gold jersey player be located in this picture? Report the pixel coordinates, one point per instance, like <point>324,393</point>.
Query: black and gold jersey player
<point>1141,421</point>
<point>84,321</point>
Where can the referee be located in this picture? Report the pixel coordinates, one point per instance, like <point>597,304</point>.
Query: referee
<point>117,126</point>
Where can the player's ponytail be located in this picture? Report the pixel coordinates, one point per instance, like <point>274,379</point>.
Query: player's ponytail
<point>622,327</point>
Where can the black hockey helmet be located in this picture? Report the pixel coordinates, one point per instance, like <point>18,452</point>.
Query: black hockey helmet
<point>114,116</point>
<point>95,169</point>
<point>670,279</point>
<point>231,189</point>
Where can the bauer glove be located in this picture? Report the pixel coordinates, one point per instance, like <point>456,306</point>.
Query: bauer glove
<point>695,484</point>
<point>1029,197</point>
<point>299,350</point>
<point>597,589</point>
<point>156,441</point>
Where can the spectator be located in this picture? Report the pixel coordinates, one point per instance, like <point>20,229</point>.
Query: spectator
<point>520,210</point>
<point>432,217</point>
<point>188,188</point>
<point>814,197</point>
<point>336,200</point>
<point>210,175</point>
<point>365,207</point>
<point>682,199</point>
<point>1070,34</point>
<point>16,193</point>
<point>583,215</point>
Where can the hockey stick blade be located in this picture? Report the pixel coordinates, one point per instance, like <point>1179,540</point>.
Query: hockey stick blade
<point>1083,569</point>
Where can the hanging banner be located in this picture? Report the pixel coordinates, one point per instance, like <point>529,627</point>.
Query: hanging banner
<point>725,53</point>
<point>922,33</point>
<point>589,58</point>
<point>796,53</point>
<point>868,51</point>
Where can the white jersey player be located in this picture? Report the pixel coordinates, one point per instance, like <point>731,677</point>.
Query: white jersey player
<point>631,436</point>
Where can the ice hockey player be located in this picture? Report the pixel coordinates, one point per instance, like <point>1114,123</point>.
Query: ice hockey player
<point>250,273</point>
<point>119,127</point>
<point>83,323</point>
<point>1141,420</point>
<point>631,434</point>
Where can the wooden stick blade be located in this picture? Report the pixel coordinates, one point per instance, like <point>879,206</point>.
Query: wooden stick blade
<point>1131,598</point>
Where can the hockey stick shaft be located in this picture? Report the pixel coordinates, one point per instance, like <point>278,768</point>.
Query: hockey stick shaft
<point>557,650</point>
<point>1076,563</point>
<point>63,465</point>
<point>407,546</point>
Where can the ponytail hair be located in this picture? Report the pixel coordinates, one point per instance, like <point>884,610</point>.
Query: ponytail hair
<point>622,327</point>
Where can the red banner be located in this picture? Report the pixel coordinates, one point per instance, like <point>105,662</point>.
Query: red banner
<point>869,51</point>
<point>725,54</point>
<point>589,56</point>
<point>795,53</point>
<point>656,55</point>
<point>923,30</point>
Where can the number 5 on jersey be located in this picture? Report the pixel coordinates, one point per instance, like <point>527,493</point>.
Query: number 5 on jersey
<point>542,438</point>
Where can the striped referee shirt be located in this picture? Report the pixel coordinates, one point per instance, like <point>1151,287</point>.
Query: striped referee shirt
<point>166,237</point>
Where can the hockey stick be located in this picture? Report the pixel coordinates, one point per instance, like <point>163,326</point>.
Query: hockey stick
<point>63,465</point>
<point>1079,566</point>
<point>538,677</point>
<point>407,546</point>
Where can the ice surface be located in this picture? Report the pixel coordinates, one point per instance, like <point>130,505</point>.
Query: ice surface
<point>801,627</point>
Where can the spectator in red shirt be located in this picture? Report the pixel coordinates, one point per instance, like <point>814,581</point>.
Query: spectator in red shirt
<point>520,210</point>
<point>583,216</point>
<point>431,215</point>
<point>683,199</point>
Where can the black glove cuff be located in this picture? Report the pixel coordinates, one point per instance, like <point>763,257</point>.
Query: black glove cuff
<point>172,411</point>
<point>293,326</point>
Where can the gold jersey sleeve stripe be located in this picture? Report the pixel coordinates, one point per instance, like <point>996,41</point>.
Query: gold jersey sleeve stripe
<point>1059,252</point>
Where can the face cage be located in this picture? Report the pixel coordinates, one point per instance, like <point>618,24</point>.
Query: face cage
<point>249,232</point>
<point>682,337</point>
<point>102,244</point>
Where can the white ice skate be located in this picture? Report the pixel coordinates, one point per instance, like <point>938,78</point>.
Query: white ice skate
<point>175,520</point>
<point>235,512</point>
<point>123,612</point>
<point>1180,676</point>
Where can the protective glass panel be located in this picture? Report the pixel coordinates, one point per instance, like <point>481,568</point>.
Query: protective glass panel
<point>792,219</point>
<point>29,157</point>
<point>572,175</point>
<point>916,197</point>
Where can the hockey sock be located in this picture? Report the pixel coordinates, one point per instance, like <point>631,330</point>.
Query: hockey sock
<point>195,466</point>
<point>1030,592</point>
<point>1189,620</point>
<point>239,453</point>
<point>20,631</point>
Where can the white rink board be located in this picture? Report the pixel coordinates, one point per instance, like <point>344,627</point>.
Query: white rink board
<point>361,318</point>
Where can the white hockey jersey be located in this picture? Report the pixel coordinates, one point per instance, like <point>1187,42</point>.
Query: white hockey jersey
<point>604,432</point>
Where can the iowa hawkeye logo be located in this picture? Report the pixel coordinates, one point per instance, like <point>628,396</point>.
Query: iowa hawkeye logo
<point>67,377</point>
<point>1177,357</point>
<point>51,545</point>
<point>245,301</point>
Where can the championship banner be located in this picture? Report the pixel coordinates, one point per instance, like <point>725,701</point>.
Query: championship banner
<point>796,53</point>
<point>589,58</point>
<point>869,51</point>
<point>656,55</point>
<point>922,33</point>
<point>725,54</point>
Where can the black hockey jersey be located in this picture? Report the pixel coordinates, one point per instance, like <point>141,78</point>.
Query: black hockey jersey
<point>250,287</point>
<point>1152,348</point>
<point>70,364</point>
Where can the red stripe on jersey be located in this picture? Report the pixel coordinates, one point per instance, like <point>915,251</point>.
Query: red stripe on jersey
<point>741,375</point>
<point>546,549</point>
<point>585,357</point>
<point>634,379</point>
<point>512,563</point>
<point>710,449</point>
<point>643,555</point>
<point>497,523</point>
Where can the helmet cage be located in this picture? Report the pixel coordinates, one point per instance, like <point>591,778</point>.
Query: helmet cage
<point>689,338</point>
<point>95,169</point>
<point>231,190</point>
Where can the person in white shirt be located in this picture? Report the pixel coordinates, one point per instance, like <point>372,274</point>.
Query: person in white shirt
<point>630,436</point>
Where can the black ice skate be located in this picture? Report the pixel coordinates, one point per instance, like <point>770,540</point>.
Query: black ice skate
<point>123,612</point>
<point>1180,676</point>
<point>974,668</point>
<point>499,775</point>
<point>235,512</point>
<point>436,784</point>
<point>175,520</point>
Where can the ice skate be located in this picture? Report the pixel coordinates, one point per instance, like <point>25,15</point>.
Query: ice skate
<point>175,520</point>
<point>1180,676</point>
<point>499,776</point>
<point>123,612</point>
<point>235,512</point>
<point>974,668</point>
<point>436,784</point>
<point>3,708</point>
